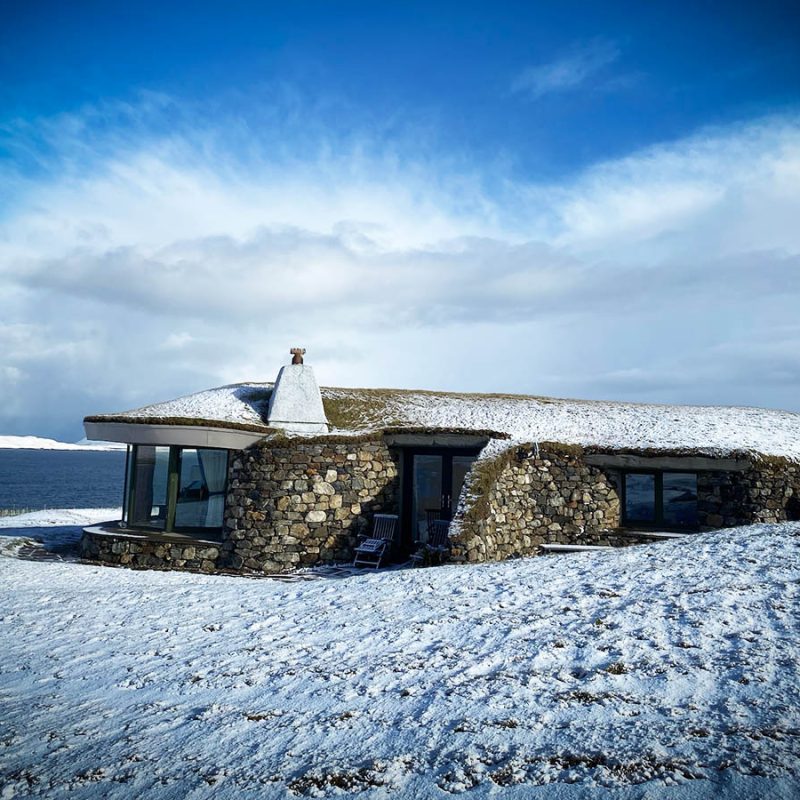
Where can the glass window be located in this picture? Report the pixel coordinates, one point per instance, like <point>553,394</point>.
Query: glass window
<point>661,498</point>
<point>149,483</point>
<point>201,488</point>
<point>427,495</point>
<point>126,495</point>
<point>174,488</point>
<point>680,499</point>
<point>640,497</point>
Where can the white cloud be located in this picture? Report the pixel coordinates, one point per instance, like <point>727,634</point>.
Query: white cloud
<point>145,264</point>
<point>566,72</point>
<point>727,190</point>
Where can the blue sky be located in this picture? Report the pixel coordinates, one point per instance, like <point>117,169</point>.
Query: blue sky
<point>412,191</point>
<point>652,70</point>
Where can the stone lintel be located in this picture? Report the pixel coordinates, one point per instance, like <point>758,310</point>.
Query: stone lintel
<point>434,440</point>
<point>680,463</point>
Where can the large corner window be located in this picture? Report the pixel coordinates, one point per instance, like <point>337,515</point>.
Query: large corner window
<point>176,488</point>
<point>653,499</point>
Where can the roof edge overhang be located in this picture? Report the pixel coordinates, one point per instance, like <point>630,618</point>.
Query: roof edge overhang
<point>185,435</point>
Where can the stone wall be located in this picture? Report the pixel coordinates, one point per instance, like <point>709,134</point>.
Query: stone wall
<point>298,503</point>
<point>149,552</point>
<point>526,498</point>
<point>769,491</point>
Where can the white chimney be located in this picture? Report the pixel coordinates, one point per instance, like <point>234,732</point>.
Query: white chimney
<point>296,402</point>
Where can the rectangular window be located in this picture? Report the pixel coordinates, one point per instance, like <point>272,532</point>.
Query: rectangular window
<point>427,495</point>
<point>176,488</point>
<point>149,487</point>
<point>667,499</point>
<point>127,488</point>
<point>201,488</point>
<point>680,499</point>
<point>640,497</point>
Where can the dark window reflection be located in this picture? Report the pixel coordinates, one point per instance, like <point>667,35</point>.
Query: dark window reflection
<point>640,497</point>
<point>680,498</point>
<point>201,488</point>
<point>151,474</point>
<point>201,478</point>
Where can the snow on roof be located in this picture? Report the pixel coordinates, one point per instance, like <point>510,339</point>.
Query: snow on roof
<point>239,404</point>
<point>714,430</point>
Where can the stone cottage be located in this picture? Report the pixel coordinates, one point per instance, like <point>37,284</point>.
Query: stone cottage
<point>263,477</point>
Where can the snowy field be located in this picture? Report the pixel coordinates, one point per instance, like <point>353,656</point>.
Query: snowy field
<point>53,530</point>
<point>666,670</point>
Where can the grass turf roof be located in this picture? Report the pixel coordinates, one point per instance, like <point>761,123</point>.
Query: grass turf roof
<point>350,409</point>
<point>602,425</point>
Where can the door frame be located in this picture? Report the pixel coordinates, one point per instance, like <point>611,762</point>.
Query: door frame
<point>447,453</point>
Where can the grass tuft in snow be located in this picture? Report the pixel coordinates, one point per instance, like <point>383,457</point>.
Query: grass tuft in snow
<point>15,512</point>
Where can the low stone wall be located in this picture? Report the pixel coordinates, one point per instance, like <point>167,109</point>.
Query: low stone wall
<point>301,503</point>
<point>526,498</point>
<point>146,552</point>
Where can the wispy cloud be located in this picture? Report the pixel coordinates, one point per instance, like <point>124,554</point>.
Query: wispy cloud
<point>567,72</point>
<point>150,259</point>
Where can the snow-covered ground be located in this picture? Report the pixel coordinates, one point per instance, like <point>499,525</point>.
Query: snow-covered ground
<point>39,443</point>
<point>667,670</point>
<point>52,529</point>
<point>50,519</point>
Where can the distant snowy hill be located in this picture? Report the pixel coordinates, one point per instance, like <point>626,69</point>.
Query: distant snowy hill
<point>38,443</point>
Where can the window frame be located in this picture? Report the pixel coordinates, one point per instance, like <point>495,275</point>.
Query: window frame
<point>658,520</point>
<point>173,481</point>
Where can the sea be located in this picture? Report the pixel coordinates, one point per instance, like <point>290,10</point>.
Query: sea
<point>39,479</point>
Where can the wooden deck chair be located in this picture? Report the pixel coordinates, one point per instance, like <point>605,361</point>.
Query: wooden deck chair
<point>438,544</point>
<point>431,515</point>
<point>370,551</point>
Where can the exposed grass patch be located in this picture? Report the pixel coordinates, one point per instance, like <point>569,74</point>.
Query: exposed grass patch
<point>357,780</point>
<point>361,409</point>
<point>15,512</point>
<point>422,429</point>
<point>356,409</point>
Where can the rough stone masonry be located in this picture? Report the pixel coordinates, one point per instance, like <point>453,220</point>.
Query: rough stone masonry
<point>296,503</point>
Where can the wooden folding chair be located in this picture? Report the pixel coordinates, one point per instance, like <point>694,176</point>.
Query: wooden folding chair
<point>438,544</point>
<point>370,551</point>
